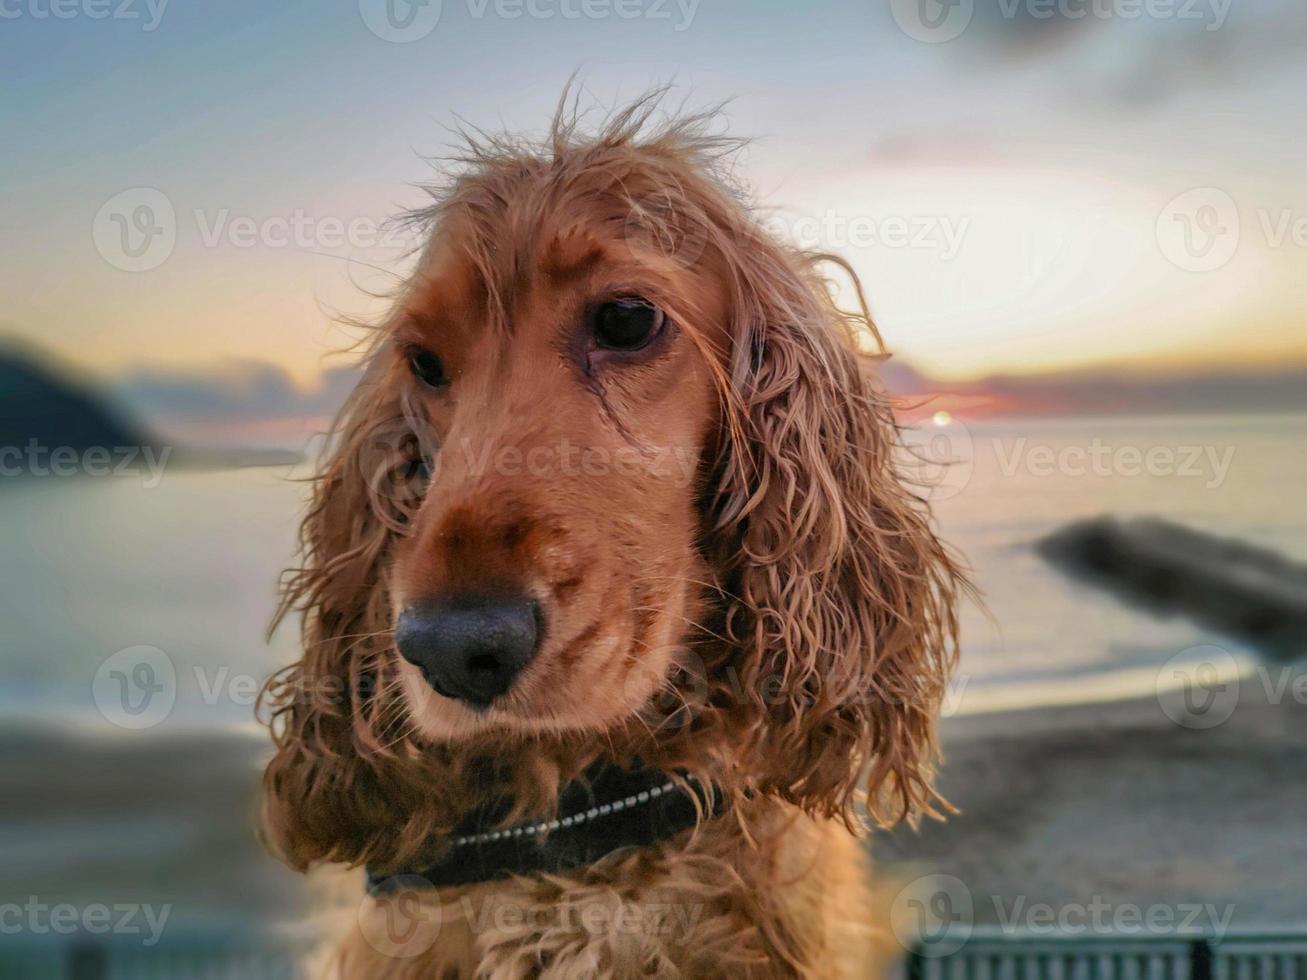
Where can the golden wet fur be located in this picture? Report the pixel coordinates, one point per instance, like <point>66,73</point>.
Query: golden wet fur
<point>736,583</point>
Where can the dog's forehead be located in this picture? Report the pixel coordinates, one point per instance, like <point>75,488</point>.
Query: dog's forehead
<point>510,236</point>
<point>448,282</point>
<point>481,279</point>
<point>572,253</point>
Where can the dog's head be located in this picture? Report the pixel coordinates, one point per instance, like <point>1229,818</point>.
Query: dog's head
<point>614,482</point>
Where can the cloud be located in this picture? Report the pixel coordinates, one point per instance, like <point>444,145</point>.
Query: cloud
<point>258,404</point>
<point>238,392</point>
<point>237,404</point>
<point>1120,391</point>
<point>1138,52</point>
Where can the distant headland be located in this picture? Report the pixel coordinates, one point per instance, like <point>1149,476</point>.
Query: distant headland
<point>55,423</point>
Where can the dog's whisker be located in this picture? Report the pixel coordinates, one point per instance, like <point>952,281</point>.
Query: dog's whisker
<point>699,627</point>
<point>350,636</point>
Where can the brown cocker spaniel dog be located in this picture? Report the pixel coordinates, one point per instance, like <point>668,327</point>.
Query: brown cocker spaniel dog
<point>615,505</point>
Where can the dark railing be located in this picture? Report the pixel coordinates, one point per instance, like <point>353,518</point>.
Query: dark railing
<point>1109,957</point>
<point>233,956</point>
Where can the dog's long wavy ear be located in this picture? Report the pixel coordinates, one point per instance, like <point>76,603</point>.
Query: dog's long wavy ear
<point>842,599</point>
<point>332,711</point>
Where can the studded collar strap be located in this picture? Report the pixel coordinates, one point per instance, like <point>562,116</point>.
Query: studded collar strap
<point>612,808</point>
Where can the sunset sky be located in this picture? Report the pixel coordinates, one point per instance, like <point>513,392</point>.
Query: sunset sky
<point>1009,196</point>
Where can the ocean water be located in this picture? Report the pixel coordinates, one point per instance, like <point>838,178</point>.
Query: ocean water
<point>1047,638</point>
<point>94,567</point>
<point>93,570</point>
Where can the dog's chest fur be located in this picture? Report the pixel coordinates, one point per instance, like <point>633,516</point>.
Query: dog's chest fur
<point>706,905</point>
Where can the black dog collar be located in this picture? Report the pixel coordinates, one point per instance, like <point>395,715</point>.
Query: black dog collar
<point>610,809</point>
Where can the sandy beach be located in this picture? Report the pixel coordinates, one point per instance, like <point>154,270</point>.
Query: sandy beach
<point>1117,803</point>
<point>1110,802</point>
<point>120,818</point>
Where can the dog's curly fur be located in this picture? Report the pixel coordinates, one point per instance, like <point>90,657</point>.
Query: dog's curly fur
<point>780,626</point>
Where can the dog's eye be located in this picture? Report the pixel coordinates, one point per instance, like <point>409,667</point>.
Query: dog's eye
<point>626,324</point>
<point>427,368</point>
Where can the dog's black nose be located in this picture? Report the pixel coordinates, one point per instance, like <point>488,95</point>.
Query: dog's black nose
<point>471,648</point>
